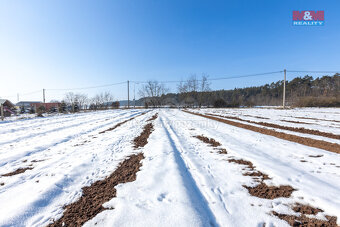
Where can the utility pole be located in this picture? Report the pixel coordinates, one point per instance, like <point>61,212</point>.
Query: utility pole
<point>44,95</point>
<point>284,90</point>
<point>2,112</point>
<point>128,87</point>
<point>18,96</point>
<point>134,95</point>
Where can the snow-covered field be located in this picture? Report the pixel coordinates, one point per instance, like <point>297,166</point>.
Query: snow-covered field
<point>183,181</point>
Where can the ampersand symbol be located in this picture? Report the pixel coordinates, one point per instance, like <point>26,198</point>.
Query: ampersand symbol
<point>307,16</point>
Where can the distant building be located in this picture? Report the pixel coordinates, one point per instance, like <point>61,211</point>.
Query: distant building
<point>50,107</point>
<point>25,106</point>
<point>9,107</point>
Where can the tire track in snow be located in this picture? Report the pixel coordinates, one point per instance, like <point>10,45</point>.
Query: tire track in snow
<point>198,199</point>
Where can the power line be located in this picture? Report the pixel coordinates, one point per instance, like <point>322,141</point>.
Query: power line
<point>219,78</point>
<point>83,88</point>
<point>305,71</point>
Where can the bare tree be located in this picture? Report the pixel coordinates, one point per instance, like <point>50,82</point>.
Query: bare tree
<point>102,100</point>
<point>82,100</point>
<point>203,89</point>
<point>153,92</point>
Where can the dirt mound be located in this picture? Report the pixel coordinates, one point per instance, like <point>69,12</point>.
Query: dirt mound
<point>18,171</point>
<point>270,192</point>
<point>305,221</point>
<point>333,147</point>
<point>207,140</point>
<point>294,129</point>
<point>94,196</point>
<point>142,139</point>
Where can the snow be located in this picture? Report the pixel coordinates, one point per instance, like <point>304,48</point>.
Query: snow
<point>182,181</point>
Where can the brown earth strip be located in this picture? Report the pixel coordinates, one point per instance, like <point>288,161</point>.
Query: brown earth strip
<point>305,221</point>
<point>297,122</point>
<point>310,118</point>
<point>142,139</point>
<point>94,196</point>
<point>212,142</point>
<point>18,171</point>
<point>246,115</point>
<point>121,123</point>
<point>153,117</point>
<point>333,147</point>
<point>293,129</point>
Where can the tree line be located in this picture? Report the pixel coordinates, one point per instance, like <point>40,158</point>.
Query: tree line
<point>195,92</point>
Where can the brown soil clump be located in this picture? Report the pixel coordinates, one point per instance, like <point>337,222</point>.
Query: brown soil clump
<point>2,184</point>
<point>304,221</point>
<point>222,151</point>
<point>270,192</point>
<point>253,172</point>
<point>142,139</point>
<point>153,117</point>
<point>209,141</point>
<point>333,147</point>
<point>18,171</point>
<point>306,209</point>
<point>94,196</point>
<point>294,129</point>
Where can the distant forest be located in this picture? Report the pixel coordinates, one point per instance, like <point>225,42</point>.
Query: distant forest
<point>301,91</point>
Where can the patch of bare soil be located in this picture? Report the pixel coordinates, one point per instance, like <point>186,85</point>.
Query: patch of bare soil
<point>264,191</point>
<point>142,139</point>
<point>121,123</point>
<point>212,142</point>
<point>2,184</point>
<point>37,160</point>
<point>304,221</point>
<point>209,141</point>
<point>305,209</point>
<point>153,117</point>
<point>315,156</point>
<point>333,147</point>
<point>18,171</point>
<point>222,151</point>
<point>94,196</point>
<point>251,169</point>
<point>294,129</point>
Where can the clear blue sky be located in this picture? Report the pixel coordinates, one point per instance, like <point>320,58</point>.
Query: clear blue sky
<point>66,43</point>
